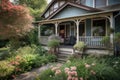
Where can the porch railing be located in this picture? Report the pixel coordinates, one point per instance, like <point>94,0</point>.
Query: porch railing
<point>93,41</point>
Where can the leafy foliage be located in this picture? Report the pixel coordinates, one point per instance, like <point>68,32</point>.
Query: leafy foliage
<point>15,20</point>
<point>24,59</point>
<point>36,7</point>
<point>117,38</point>
<point>82,69</point>
<point>79,46</point>
<point>53,43</point>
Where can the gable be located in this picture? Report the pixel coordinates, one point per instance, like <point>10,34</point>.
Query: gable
<point>52,7</point>
<point>70,11</point>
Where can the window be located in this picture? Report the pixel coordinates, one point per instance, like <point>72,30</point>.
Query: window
<point>100,3</point>
<point>99,27</point>
<point>83,2</point>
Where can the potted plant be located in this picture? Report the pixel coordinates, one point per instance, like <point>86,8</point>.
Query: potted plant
<point>80,47</point>
<point>53,44</point>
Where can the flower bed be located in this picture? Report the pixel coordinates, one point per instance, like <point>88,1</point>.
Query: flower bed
<point>82,69</point>
<point>23,60</point>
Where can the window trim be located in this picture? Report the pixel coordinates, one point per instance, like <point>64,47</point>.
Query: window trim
<point>94,3</point>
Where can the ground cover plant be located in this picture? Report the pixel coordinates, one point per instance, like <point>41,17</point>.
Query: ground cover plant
<point>84,69</point>
<point>22,60</point>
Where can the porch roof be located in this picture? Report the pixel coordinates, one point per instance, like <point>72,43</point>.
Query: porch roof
<point>84,16</point>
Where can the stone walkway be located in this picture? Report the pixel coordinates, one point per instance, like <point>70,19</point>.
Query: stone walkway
<point>32,74</point>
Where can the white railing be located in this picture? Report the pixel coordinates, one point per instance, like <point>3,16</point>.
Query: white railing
<point>93,41</point>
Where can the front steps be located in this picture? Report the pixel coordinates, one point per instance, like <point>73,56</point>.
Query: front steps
<point>64,53</point>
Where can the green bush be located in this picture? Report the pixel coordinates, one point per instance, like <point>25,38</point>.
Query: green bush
<point>25,59</point>
<point>79,46</point>
<point>86,69</point>
<point>106,41</point>
<point>53,43</point>
<point>117,38</point>
<point>6,69</point>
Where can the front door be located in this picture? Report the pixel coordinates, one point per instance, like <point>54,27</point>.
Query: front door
<point>65,30</point>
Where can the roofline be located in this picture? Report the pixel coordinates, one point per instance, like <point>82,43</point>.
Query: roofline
<point>47,7</point>
<point>75,5</point>
<point>37,22</point>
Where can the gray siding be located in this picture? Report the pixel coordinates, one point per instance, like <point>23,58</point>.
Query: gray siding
<point>112,2</point>
<point>88,27</point>
<point>89,3</point>
<point>117,24</point>
<point>70,12</point>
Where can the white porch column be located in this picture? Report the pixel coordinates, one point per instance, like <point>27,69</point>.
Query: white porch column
<point>56,29</point>
<point>39,32</point>
<point>112,26</point>
<point>77,25</point>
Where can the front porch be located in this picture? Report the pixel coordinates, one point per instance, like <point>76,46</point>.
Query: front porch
<point>90,41</point>
<point>91,29</point>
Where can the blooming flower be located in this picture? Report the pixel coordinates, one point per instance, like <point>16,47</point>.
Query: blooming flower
<point>93,72</point>
<point>87,65</point>
<point>73,68</point>
<point>58,72</point>
<point>81,78</point>
<point>55,68</point>
<point>93,64</point>
<point>69,78</point>
<point>67,70</point>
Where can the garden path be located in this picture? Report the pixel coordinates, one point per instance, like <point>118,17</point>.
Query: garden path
<point>32,74</point>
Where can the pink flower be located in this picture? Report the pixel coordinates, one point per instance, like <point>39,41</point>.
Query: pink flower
<point>81,78</point>
<point>58,72</point>
<point>76,78</point>
<point>69,78</point>
<point>66,70</point>
<point>55,68</point>
<point>73,68</point>
<point>87,65</point>
<point>93,72</point>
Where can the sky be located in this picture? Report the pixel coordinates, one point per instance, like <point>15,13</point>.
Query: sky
<point>48,1</point>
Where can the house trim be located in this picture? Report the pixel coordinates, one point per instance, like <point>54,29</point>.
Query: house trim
<point>75,5</point>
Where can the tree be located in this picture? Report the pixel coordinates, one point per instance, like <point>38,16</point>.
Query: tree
<point>36,7</point>
<point>15,20</point>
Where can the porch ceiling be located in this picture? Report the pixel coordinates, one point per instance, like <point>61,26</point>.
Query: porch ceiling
<point>82,17</point>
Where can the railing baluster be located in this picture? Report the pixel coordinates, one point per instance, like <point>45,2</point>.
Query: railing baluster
<point>92,41</point>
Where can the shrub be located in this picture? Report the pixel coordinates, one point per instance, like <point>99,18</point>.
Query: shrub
<point>106,41</point>
<point>80,46</point>
<point>117,38</point>
<point>25,59</point>
<point>53,45</point>
<point>81,69</point>
<point>6,69</point>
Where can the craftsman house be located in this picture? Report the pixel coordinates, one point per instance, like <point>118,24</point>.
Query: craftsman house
<point>85,20</point>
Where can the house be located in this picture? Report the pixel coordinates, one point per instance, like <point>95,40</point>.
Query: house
<point>86,20</point>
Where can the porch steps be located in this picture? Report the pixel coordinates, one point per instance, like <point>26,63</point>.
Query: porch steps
<point>64,54</point>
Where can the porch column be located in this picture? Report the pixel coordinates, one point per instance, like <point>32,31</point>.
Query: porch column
<point>56,29</point>
<point>112,25</point>
<point>77,25</point>
<point>39,32</point>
